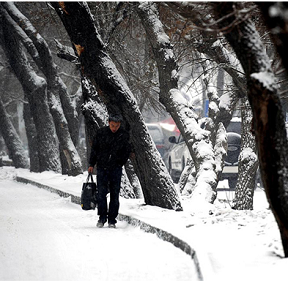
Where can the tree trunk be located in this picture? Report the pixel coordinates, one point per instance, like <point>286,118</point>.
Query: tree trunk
<point>214,49</point>
<point>12,140</point>
<point>217,130</point>
<point>93,109</point>
<point>31,138</point>
<point>40,52</point>
<point>67,148</point>
<point>181,112</point>
<point>269,123</point>
<point>218,139</point>
<point>248,163</point>
<point>158,188</point>
<point>126,190</point>
<point>134,180</point>
<point>35,88</point>
<point>187,179</point>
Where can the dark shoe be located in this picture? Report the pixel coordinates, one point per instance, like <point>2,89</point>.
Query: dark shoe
<point>100,224</point>
<point>111,225</point>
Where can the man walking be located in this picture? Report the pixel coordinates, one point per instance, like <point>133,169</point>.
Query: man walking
<point>110,151</point>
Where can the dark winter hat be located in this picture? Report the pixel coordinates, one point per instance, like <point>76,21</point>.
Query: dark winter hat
<point>115,118</point>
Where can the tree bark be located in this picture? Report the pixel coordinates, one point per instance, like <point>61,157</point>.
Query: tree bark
<point>182,113</point>
<point>248,162</point>
<point>31,137</point>
<point>36,89</point>
<point>268,117</point>
<point>133,179</point>
<point>12,140</point>
<point>40,52</point>
<point>158,188</point>
<point>72,163</point>
<point>218,132</point>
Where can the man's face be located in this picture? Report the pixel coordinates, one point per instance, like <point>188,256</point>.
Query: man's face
<point>114,126</point>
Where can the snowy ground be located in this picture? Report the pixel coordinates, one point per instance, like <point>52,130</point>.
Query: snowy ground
<point>45,237</point>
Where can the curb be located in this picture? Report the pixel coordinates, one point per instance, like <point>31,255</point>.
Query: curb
<point>161,234</point>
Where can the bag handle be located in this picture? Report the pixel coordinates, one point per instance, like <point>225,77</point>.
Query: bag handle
<point>90,175</point>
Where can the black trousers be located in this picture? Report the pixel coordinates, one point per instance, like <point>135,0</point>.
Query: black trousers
<point>108,180</point>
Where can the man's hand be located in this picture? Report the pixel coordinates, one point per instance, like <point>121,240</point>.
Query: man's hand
<point>90,169</point>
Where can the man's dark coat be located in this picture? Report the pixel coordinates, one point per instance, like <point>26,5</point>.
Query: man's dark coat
<point>110,150</point>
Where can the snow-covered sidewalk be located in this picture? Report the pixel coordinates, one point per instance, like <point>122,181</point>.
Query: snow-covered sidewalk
<point>243,245</point>
<point>46,237</point>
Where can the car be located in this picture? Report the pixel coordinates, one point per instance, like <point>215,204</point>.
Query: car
<point>179,155</point>
<point>157,136</point>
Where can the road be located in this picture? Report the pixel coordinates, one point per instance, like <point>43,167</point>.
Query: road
<point>46,237</point>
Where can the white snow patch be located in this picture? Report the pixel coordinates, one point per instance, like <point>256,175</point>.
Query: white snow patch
<point>267,79</point>
<point>225,101</point>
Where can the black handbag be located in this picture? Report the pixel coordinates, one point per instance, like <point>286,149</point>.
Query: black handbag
<point>89,194</point>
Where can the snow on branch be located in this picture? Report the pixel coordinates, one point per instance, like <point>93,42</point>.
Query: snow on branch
<point>266,79</point>
<point>161,40</point>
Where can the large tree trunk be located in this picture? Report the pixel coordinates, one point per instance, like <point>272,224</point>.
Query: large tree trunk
<point>133,179</point>
<point>40,52</point>
<point>93,109</point>
<point>72,163</point>
<point>248,162</point>
<point>36,89</point>
<point>269,123</point>
<point>12,140</point>
<point>158,188</point>
<point>182,113</point>
<point>31,138</point>
<point>217,130</point>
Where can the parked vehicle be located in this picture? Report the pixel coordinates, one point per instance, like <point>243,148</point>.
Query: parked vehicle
<point>179,155</point>
<point>157,136</point>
